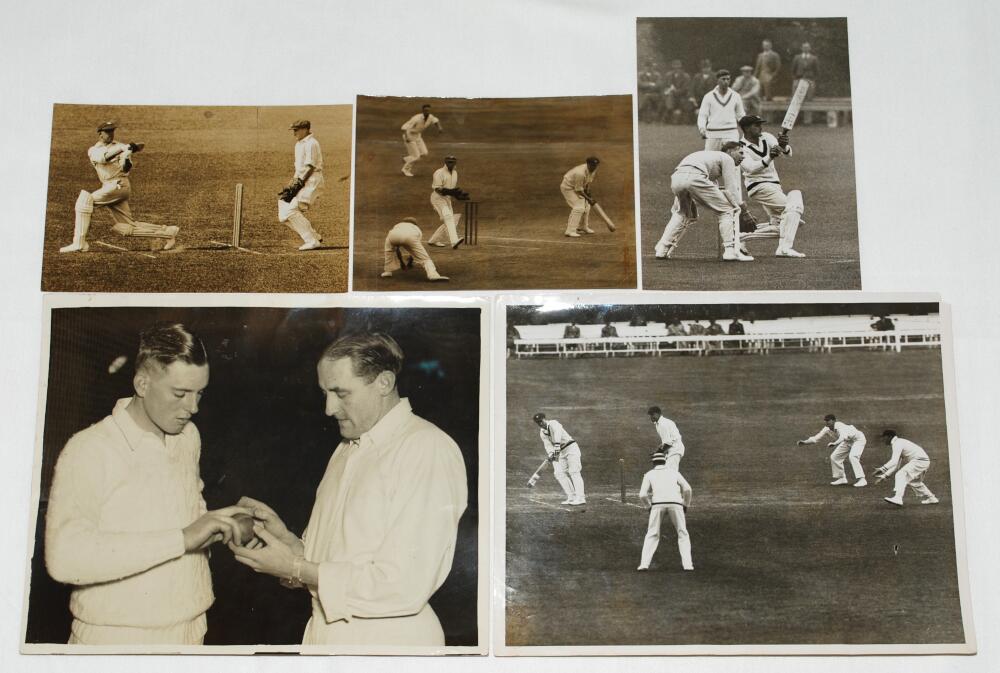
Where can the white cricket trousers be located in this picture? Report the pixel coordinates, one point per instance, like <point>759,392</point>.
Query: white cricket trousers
<point>652,541</point>
<point>852,450</point>
<point>913,474</point>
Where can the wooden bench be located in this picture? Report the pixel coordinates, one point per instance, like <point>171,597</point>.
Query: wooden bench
<point>838,110</point>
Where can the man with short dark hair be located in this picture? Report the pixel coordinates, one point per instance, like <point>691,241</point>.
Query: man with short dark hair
<point>671,444</point>
<point>721,108</point>
<point>382,534</point>
<point>848,442</point>
<point>910,462</point>
<point>413,138</point>
<point>564,454</point>
<point>126,523</point>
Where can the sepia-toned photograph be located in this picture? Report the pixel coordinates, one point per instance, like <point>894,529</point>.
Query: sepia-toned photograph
<point>746,154</point>
<point>198,199</point>
<point>494,194</point>
<point>248,479</point>
<point>730,478</point>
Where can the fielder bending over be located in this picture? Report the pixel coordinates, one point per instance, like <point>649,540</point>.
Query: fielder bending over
<point>665,491</point>
<point>413,138</point>
<point>405,237</point>
<point>710,178</point>
<point>113,163</point>
<point>915,463</point>
<point>671,444</point>
<point>564,454</point>
<point>848,442</point>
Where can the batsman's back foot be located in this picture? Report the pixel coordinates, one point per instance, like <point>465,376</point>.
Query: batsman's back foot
<point>437,278</point>
<point>171,233</point>
<point>82,246</point>
<point>788,252</point>
<point>734,255</point>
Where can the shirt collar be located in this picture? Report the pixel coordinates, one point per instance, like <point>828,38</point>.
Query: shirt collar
<point>389,424</point>
<point>133,433</point>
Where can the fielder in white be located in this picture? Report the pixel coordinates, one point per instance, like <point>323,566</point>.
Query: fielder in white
<point>413,138</point>
<point>564,454</point>
<point>910,471</point>
<point>113,163</point>
<point>720,110</point>
<point>309,175</point>
<point>760,174</point>
<point>575,189</point>
<point>712,179</point>
<point>444,182</point>
<point>405,237</point>
<point>848,442</point>
<point>671,444</point>
<point>665,491</point>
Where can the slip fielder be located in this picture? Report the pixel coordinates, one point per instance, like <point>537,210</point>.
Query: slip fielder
<point>848,442</point>
<point>113,163</point>
<point>406,237</point>
<point>413,138</point>
<point>910,471</point>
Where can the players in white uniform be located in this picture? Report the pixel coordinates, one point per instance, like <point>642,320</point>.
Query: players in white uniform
<point>915,462</point>
<point>848,441</point>
<point>665,491</point>
<point>721,109</point>
<point>761,151</point>
<point>445,179</point>
<point>671,444</point>
<point>575,189</point>
<point>413,138</point>
<point>113,163</point>
<point>405,237</point>
<point>711,178</point>
<point>564,454</point>
<point>308,170</point>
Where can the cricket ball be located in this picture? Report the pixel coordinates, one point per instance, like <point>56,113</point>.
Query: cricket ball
<point>245,522</point>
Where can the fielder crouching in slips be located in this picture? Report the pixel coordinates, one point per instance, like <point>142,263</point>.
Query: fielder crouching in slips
<point>445,180</point>
<point>910,462</point>
<point>381,537</point>
<point>710,178</point>
<point>665,491</point>
<point>113,163</point>
<point>309,177</point>
<point>403,238</point>
<point>848,442</point>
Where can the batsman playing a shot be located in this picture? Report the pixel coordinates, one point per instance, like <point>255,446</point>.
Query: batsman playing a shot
<point>113,163</point>
<point>575,189</point>
<point>784,211</point>
<point>305,186</point>
<point>665,491</point>
<point>564,454</point>
<point>710,178</point>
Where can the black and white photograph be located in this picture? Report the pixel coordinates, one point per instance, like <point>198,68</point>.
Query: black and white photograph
<point>494,194</point>
<point>247,478</point>
<point>746,154</point>
<point>198,199</point>
<point>767,476</point>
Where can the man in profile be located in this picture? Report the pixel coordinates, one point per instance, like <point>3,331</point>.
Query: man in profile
<point>383,529</point>
<point>126,522</point>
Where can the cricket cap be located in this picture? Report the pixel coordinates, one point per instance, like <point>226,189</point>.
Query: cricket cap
<point>538,417</point>
<point>749,120</point>
<point>107,126</point>
<point>300,124</point>
<point>659,457</point>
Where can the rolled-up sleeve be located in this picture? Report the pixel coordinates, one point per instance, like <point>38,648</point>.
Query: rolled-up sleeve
<point>416,555</point>
<point>76,550</point>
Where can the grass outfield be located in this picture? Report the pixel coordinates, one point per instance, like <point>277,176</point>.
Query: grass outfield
<point>781,557</point>
<point>822,167</point>
<point>512,155</point>
<point>186,176</point>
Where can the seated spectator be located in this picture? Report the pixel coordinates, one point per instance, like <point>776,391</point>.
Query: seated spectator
<point>608,330</point>
<point>696,329</point>
<point>637,321</point>
<point>676,328</point>
<point>714,328</point>
<point>572,332</point>
<point>736,327</point>
<point>883,324</point>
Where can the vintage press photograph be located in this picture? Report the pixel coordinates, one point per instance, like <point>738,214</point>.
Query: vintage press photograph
<point>731,478</point>
<point>494,194</point>
<point>198,199</point>
<point>746,154</point>
<point>250,478</point>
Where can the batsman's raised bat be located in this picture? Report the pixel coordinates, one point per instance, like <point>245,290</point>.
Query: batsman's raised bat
<point>604,216</point>
<point>798,98</point>
<point>538,473</point>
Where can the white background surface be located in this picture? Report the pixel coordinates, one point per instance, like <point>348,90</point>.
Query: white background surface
<point>925,111</point>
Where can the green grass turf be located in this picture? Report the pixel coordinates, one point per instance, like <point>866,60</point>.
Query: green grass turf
<point>822,168</point>
<point>186,176</point>
<point>781,557</point>
<point>512,155</point>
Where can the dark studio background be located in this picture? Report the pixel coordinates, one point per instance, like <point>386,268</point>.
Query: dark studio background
<point>264,434</point>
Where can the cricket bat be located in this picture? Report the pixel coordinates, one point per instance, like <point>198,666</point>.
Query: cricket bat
<point>795,105</point>
<point>538,473</point>
<point>604,216</point>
